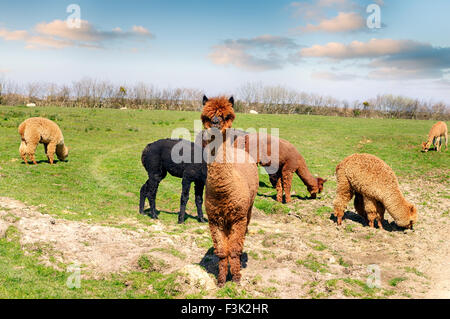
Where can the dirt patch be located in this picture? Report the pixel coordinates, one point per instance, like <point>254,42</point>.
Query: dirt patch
<point>97,249</point>
<point>299,255</point>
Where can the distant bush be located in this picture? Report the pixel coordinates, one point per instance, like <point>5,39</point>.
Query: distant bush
<point>91,93</point>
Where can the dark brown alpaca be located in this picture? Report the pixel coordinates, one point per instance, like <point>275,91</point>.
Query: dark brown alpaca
<point>231,187</point>
<point>286,162</point>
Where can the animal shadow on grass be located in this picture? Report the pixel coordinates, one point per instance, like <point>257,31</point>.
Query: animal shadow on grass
<point>44,161</point>
<point>274,197</point>
<point>263,184</point>
<point>186,216</point>
<point>210,262</point>
<point>390,227</point>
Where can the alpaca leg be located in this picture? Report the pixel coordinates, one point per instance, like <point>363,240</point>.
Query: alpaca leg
<point>344,194</point>
<point>380,214</point>
<point>249,216</point>
<point>236,242</point>
<point>279,190</point>
<point>45,151</point>
<point>371,217</point>
<point>223,271</point>
<point>219,240</point>
<point>30,150</point>
<point>287,184</point>
<point>31,153</point>
<point>23,151</point>
<point>221,251</point>
<point>186,184</point>
<point>273,178</point>
<point>142,197</point>
<point>51,148</point>
<point>199,186</point>
<point>359,206</point>
<point>371,207</point>
<point>446,140</point>
<point>152,189</point>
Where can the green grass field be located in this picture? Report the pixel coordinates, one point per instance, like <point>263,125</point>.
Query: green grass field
<point>100,183</point>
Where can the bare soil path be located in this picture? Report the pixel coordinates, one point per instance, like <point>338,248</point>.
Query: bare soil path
<point>300,255</point>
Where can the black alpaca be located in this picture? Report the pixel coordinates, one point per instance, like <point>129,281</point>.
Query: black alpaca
<point>157,160</point>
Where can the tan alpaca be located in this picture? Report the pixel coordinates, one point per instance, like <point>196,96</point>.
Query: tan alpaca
<point>438,131</point>
<point>37,130</point>
<point>377,188</point>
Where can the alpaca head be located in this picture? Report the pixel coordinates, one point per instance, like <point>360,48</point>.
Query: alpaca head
<point>425,147</point>
<point>412,216</point>
<point>318,188</point>
<point>218,113</point>
<point>62,153</point>
<point>408,217</point>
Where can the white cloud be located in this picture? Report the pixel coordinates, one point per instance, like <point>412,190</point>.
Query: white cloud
<point>357,49</point>
<point>57,35</point>
<point>315,10</point>
<point>343,22</point>
<point>387,58</point>
<point>261,53</point>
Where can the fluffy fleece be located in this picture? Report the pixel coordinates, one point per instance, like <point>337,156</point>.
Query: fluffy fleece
<point>157,159</point>
<point>286,158</point>
<point>231,187</point>
<point>37,130</point>
<point>438,131</point>
<point>376,185</point>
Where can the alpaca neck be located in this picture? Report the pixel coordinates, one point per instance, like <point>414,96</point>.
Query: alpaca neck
<point>221,169</point>
<point>305,175</point>
<point>430,140</point>
<point>220,176</point>
<point>397,206</point>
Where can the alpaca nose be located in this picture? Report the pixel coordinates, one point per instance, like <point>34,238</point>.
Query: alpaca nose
<point>215,121</point>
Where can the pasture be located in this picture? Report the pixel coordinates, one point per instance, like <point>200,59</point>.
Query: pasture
<point>85,211</point>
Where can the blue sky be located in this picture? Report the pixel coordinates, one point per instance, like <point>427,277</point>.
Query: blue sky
<point>317,46</point>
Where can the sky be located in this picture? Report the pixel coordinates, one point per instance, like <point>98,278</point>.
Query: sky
<point>329,47</point>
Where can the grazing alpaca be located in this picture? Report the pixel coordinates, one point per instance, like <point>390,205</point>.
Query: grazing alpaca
<point>157,158</point>
<point>231,188</point>
<point>376,188</point>
<point>37,130</point>
<point>438,131</point>
<point>287,161</point>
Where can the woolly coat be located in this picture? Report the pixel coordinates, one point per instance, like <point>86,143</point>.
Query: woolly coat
<point>372,178</point>
<point>37,130</point>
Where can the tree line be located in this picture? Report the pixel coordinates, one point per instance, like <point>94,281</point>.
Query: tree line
<point>92,93</point>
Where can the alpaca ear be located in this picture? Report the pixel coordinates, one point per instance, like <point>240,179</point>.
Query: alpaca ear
<point>231,100</point>
<point>205,99</point>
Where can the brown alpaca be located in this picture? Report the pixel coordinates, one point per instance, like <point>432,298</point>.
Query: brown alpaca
<point>231,187</point>
<point>376,188</point>
<point>37,130</point>
<point>288,161</point>
<point>438,131</point>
